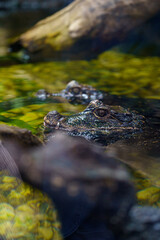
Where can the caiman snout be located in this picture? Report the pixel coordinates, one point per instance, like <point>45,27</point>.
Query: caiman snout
<point>52,118</point>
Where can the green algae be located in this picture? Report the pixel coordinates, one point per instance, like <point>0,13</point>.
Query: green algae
<point>146,191</point>
<point>26,213</point>
<point>114,72</point>
<point>117,73</point>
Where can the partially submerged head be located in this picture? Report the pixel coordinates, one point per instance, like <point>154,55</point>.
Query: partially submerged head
<point>85,92</point>
<point>74,93</point>
<point>97,118</point>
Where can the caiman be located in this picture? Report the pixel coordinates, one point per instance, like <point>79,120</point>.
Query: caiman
<point>131,137</point>
<point>97,122</point>
<point>76,93</point>
<point>90,189</point>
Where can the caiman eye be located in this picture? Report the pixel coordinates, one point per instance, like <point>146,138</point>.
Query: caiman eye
<point>75,90</point>
<point>101,112</point>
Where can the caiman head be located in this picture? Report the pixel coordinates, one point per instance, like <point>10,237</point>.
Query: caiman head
<point>97,122</point>
<point>74,93</point>
<point>78,92</point>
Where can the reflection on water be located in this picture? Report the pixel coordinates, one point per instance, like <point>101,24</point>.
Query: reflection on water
<point>117,73</point>
<point>29,113</point>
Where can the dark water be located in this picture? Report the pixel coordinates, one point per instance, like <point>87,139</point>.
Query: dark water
<point>131,69</point>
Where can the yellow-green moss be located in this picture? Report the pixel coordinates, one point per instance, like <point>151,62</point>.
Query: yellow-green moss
<point>118,73</point>
<point>26,213</point>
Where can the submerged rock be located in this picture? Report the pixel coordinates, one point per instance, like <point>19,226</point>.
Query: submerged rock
<point>18,135</point>
<point>78,175</point>
<point>89,186</point>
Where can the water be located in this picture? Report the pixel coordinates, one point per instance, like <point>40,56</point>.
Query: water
<point>132,73</point>
<point>114,72</point>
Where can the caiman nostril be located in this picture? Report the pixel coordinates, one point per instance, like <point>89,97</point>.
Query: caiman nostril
<point>52,118</point>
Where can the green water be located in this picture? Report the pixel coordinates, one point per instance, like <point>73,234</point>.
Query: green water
<point>114,72</point>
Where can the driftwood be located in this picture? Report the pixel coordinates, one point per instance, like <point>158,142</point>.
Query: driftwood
<point>85,24</point>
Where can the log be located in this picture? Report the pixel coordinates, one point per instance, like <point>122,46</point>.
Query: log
<point>85,25</point>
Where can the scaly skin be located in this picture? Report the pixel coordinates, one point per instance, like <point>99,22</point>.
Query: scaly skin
<point>97,121</point>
